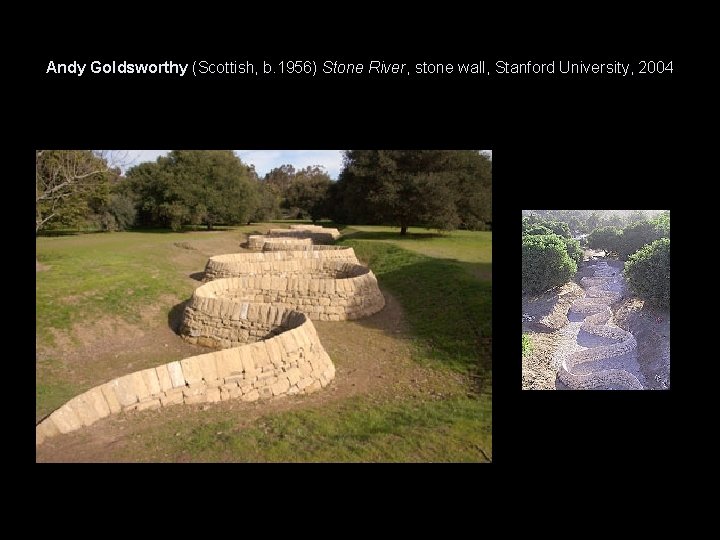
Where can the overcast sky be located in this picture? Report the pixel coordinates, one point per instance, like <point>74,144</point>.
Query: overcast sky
<point>264,160</point>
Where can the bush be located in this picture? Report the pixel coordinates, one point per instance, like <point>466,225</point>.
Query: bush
<point>119,213</point>
<point>545,263</point>
<point>557,227</point>
<point>648,273</point>
<point>605,238</point>
<point>574,250</point>
<point>536,229</point>
<point>637,235</point>
<point>533,226</point>
<point>526,345</point>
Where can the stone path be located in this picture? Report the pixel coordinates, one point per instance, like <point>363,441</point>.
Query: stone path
<point>594,353</point>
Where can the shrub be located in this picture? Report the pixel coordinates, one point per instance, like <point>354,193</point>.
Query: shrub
<point>605,238</point>
<point>648,273</point>
<point>557,227</point>
<point>537,229</point>
<point>533,226</point>
<point>637,235</point>
<point>545,263</point>
<point>526,345</point>
<point>574,250</point>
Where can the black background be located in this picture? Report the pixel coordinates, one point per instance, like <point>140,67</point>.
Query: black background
<point>585,142</point>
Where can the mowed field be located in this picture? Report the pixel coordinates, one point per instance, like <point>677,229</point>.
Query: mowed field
<point>413,382</point>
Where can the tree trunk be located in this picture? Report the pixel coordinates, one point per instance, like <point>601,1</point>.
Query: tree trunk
<point>403,229</point>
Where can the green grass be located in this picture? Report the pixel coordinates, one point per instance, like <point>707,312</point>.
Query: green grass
<point>357,430</point>
<point>105,274</point>
<point>442,281</point>
<point>448,307</point>
<point>526,345</point>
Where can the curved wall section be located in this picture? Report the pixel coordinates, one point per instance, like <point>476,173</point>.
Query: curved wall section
<point>291,362</point>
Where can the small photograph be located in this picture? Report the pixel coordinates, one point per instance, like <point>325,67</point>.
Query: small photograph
<point>595,299</point>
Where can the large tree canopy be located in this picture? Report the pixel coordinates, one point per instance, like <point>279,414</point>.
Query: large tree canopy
<point>302,193</point>
<point>443,189</point>
<point>196,186</point>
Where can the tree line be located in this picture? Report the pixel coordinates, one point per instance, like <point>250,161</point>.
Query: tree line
<point>442,189</point>
<point>550,257</point>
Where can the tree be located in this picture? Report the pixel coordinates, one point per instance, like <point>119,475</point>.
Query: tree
<point>307,192</point>
<point>279,178</point>
<point>647,272</point>
<point>574,250</point>
<point>536,229</point>
<point>637,235</point>
<point>593,222</point>
<point>195,186</point>
<point>443,189</point>
<point>605,238</point>
<point>64,180</point>
<point>637,215</point>
<point>268,204</point>
<point>545,263</point>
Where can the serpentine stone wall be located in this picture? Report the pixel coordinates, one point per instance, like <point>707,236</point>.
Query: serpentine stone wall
<point>318,236</point>
<point>218,305</point>
<point>289,261</point>
<point>259,241</point>
<point>290,360</point>
<point>601,365</point>
<point>261,320</point>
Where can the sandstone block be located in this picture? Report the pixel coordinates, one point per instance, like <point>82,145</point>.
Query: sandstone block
<point>139,385</point>
<point>172,397</point>
<point>191,370</point>
<point>148,404</point>
<point>294,375</point>
<point>208,369</point>
<point>163,376</point>
<point>108,391</point>
<point>94,397</point>
<point>305,382</point>
<point>281,386</point>
<point>66,419</point>
<point>247,360</point>
<point>195,390</point>
<point>213,395</point>
<point>151,381</point>
<point>253,395</point>
<point>260,355</point>
<point>45,429</point>
<point>176,374</point>
<point>265,392</point>
<point>125,390</point>
<point>191,400</point>
<point>314,387</point>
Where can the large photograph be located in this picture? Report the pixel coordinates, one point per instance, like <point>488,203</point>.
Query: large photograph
<point>263,306</point>
<point>595,300</point>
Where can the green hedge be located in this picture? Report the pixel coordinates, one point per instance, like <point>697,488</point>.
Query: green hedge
<point>574,250</point>
<point>605,238</point>
<point>648,273</point>
<point>545,263</point>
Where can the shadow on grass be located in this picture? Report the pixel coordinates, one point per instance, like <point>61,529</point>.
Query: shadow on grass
<point>389,235</point>
<point>197,276</point>
<point>449,312</point>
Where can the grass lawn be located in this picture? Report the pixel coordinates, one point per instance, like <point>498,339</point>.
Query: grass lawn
<point>443,283</point>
